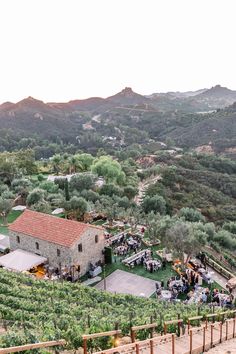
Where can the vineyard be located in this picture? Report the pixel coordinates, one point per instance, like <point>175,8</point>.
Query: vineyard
<point>35,310</point>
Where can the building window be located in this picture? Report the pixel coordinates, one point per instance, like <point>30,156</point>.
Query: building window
<point>80,248</point>
<point>37,245</point>
<point>96,238</point>
<point>58,253</point>
<point>18,239</point>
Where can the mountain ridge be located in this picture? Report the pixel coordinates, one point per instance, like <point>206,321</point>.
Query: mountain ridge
<point>205,119</point>
<point>128,94</point>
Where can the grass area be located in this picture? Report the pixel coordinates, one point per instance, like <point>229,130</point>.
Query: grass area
<point>11,217</point>
<point>34,177</point>
<point>159,275</point>
<point>99,222</point>
<point>113,231</point>
<point>62,215</point>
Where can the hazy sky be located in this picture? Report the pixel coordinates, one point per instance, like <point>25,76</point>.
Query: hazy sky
<point>57,50</point>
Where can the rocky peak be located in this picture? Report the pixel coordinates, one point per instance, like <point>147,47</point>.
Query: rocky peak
<point>127,92</point>
<point>30,102</point>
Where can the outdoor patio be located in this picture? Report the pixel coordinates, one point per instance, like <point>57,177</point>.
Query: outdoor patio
<point>127,283</point>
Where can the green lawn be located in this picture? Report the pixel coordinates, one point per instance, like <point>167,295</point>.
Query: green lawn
<point>11,217</point>
<point>34,177</point>
<point>112,231</point>
<point>99,222</point>
<point>159,275</point>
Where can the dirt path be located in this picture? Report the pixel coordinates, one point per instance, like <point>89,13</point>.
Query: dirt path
<point>143,186</point>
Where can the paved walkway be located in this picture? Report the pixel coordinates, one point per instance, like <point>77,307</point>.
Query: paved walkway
<point>92,281</point>
<point>194,342</point>
<point>228,347</point>
<point>122,282</point>
<point>218,278</point>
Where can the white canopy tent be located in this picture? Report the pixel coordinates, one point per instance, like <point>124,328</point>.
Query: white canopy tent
<point>4,242</point>
<point>19,208</point>
<point>21,261</point>
<point>58,211</point>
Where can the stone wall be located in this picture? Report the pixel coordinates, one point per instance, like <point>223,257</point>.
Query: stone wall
<point>91,251</point>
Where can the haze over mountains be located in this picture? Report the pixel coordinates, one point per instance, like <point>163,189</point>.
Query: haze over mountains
<point>191,119</point>
<point>213,98</point>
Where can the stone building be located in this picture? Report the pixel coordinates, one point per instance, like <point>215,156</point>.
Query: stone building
<point>64,243</point>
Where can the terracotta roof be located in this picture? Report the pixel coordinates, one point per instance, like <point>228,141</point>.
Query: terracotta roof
<point>50,228</point>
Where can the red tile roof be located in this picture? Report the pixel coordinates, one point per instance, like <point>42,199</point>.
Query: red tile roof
<point>50,228</point>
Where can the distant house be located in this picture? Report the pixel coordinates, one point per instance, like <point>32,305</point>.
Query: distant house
<point>99,182</point>
<point>64,243</point>
<point>52,178</point>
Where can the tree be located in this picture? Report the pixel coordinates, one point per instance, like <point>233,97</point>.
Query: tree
<point>110,169</point>
<point>78,206</point>
<point>20,184</point>
<point>190,214</point>
<point>42,206</point>
<point>110,189</point>
<point>226,239</point>
<point>74,165</point>
<point>90,195</point>
<point>158,225</point>
<point>5,208</point>
<point>86,161</point>
<point>230,226</point>
<point>49,186</point>
<point>130,192</point>
<point>134,216</point>
<point>66,186</point>
<point>183,240</point>
<point>81,182</point>
<point>56,161</point>
<point>108,207</point>
<point>123,202</point>
<point>157,204</point>
<point>37,195</point>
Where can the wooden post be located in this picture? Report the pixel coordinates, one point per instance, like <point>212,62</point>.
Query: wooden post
<point>104,277</point>
<point>116,335</point>
<point>173,344</point>
<point>151,346</point>
<point>151,329</point>
<point>191,341</point>
<point>206,322</point>
<point>137,348</point>
<point>85,346</point>
<point>188,325</point>
<point>165,328</point>
<point>178,325</point>
<point>220,332</point>
<point>212,328</point>
<point>32,346</point>
<point>226,330</point>
<point>132,334</point>
<point>204,339</point>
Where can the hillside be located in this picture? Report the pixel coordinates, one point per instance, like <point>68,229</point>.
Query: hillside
<point>69,310</point>
<point>121,120</point>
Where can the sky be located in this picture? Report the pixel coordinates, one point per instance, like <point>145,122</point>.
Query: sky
<point>59,50</point>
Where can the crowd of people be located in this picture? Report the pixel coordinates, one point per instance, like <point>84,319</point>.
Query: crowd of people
<point>125,243</point>
<point>138,258</point>
<point>189,287</point>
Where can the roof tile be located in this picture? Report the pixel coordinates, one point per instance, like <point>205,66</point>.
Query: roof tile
<point>50,228</point>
